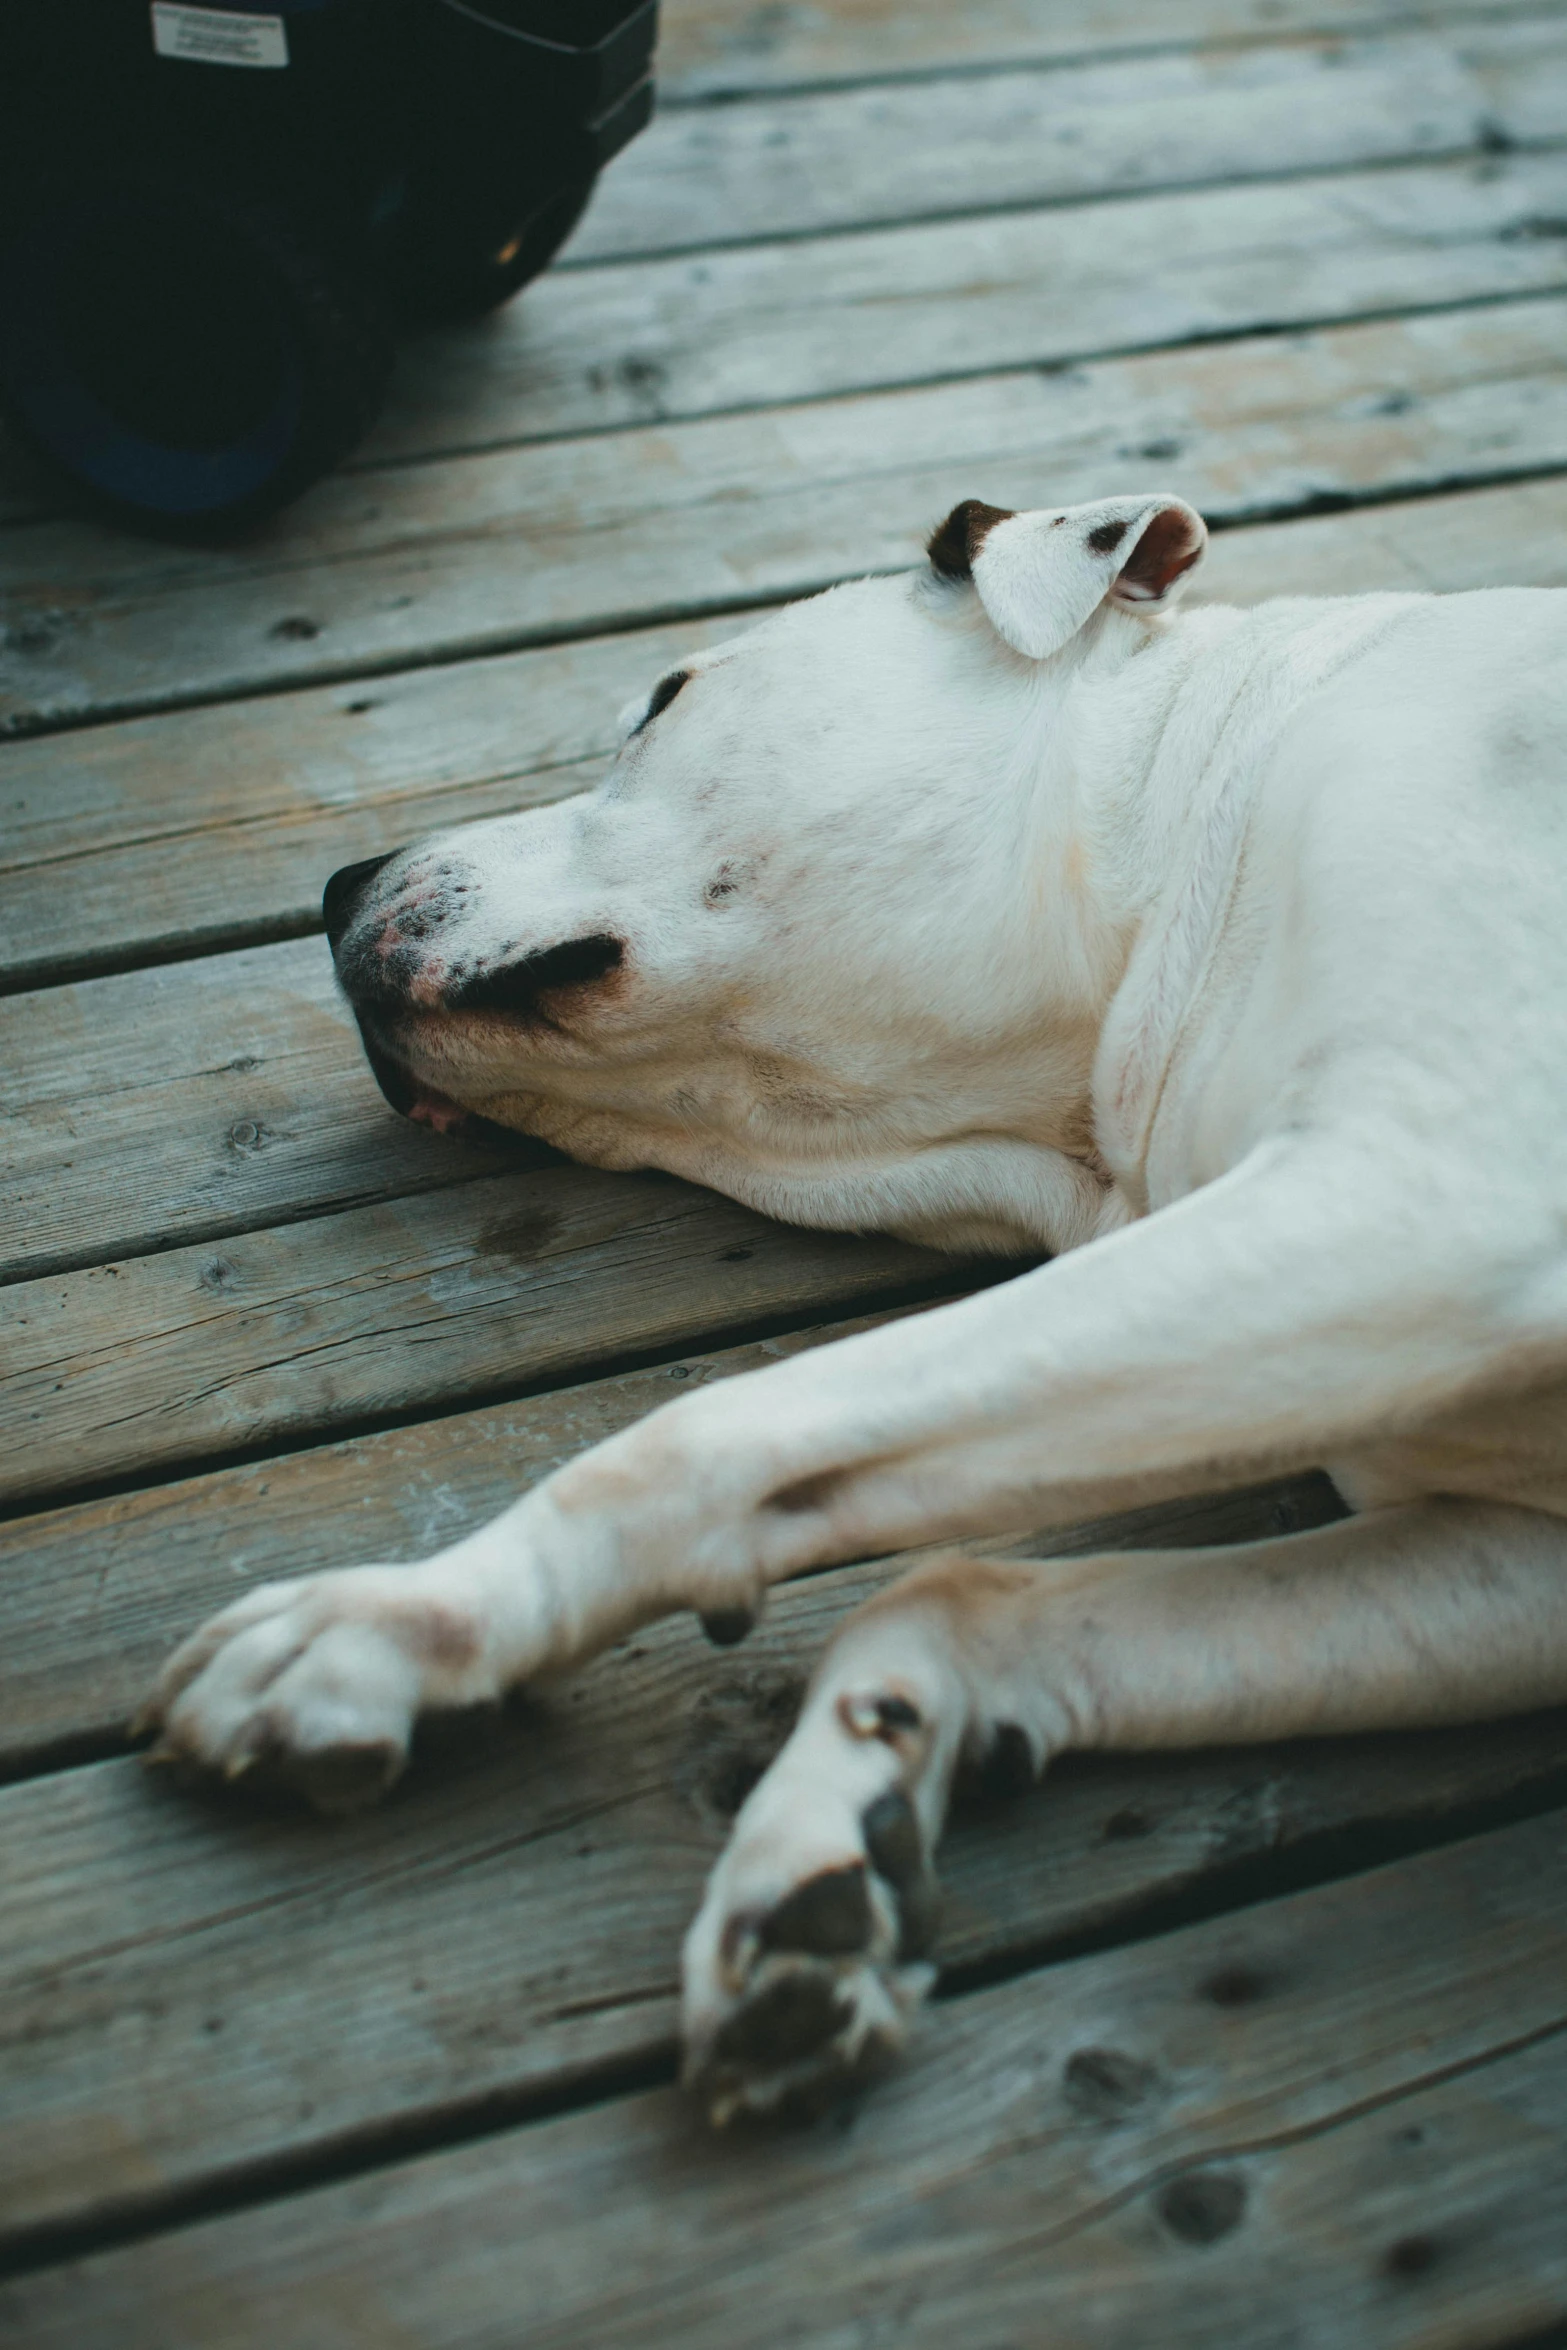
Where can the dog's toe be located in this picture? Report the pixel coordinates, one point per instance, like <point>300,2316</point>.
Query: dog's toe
<point>343,1778</point>
<point>802,2033</point>
<point>792,2001</point>
<point>313,1685</point>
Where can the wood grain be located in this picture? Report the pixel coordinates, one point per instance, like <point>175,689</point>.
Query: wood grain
<point>645,342</point>
<point>275,1338</point>
<point>172,833</point>
<point>714,48</point>
<point>197,1100</point>
<point>214,826</point>
<point>1129,2147</point>
<point>789,166</point>
<point>785,166</point>
<point>483,552</point>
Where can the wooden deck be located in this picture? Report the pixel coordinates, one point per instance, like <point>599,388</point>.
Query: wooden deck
<point>1258,2049</point>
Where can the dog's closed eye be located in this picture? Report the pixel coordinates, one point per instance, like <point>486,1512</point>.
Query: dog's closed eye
<point>663,694</point>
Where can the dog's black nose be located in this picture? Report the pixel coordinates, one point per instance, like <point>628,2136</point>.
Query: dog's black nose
<point>344,894</point>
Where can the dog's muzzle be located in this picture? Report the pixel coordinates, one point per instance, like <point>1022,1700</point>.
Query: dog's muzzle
<point>342,902</point>
<point>344,896</point>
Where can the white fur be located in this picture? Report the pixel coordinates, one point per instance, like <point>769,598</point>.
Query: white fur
<point>1018,914</point>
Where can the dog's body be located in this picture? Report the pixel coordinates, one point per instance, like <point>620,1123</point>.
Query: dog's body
<point>990,906</point>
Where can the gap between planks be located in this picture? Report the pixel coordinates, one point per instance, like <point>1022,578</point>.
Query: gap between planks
<point>872,310</point>
<point>935,150</point>
<point>311,1985</point>
<point>488,553</point>
<point>163,1364</point>
<point>711,49</point>
<point>1195,2134</point>
<point>766,170</point>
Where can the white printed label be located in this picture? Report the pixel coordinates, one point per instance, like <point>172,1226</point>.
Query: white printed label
<point>216,36</point>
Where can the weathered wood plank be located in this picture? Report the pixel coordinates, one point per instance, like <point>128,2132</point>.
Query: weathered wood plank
<point>845,159</point>
<point>221,824</point>
<point>415,736</point>
<point>166,1362</point>
<point>638,343</point>
<point>93,1595</point>
<point>629,345</point>
<point>711,48</point>
<point>1510,536</point>
<point>1429,2219</point>
<point>1128,2138</point>
<point>214,826</point>
<point>197,1100</point>
<point>570,358</point>
<point>781,166</point>
<point>482,552</point>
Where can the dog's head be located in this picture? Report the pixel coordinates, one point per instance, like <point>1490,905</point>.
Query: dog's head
<point>825,922</point>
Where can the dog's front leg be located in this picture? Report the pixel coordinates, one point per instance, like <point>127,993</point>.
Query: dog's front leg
<point>804,1963</point>
<point>1285,1311</point>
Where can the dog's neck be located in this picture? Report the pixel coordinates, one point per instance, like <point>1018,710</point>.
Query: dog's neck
<point>1118,736</point>
<point>1172,742</point>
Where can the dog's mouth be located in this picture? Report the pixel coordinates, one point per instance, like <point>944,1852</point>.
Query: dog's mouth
<point>409,1096</point>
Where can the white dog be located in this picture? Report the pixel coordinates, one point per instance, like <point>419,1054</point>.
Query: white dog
<point>1222,956</point>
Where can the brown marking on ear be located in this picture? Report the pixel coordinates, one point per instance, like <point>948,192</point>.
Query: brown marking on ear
<point>1166,549</point>
<point>1107,537</point>
<point>953,547</point>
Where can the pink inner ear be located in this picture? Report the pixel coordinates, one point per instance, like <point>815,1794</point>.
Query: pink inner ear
<point>1169,546</point>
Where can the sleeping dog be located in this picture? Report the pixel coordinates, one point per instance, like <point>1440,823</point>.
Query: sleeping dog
<point>1221,955</point>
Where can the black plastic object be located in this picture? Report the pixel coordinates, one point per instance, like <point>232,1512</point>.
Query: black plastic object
<point>213,218</point>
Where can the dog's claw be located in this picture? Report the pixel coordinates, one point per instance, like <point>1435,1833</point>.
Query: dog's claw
<point>726,1627</point>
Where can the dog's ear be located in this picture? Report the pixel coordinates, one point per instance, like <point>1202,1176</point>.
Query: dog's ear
<point>1040,576</point>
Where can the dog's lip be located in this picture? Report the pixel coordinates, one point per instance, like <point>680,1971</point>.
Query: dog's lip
<point>425,1104</point>
<point>437,1111</point>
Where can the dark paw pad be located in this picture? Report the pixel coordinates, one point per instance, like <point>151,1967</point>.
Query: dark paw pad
<point>830,1916</point>
<point>726,1627</point>
<point>339,1778</point>
<point>794,2015</point>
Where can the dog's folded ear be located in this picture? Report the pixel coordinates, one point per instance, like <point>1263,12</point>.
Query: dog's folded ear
<point>1040,576</point>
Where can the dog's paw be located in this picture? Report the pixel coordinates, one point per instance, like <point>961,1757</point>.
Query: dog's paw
<point>794,1992</point>
<point>317,1682</point>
